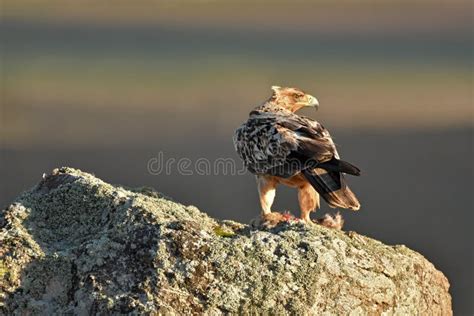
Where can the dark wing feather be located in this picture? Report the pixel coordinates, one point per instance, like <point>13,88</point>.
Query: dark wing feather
<point>314,141</point>
<point>332,187</point>
<point>282,145</point>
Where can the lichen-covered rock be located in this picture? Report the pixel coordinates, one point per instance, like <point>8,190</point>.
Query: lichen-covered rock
<point>77,245</point>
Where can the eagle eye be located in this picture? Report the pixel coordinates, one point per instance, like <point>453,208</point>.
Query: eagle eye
<point>297,96</point>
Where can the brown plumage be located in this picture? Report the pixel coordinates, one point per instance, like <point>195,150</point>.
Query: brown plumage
<point>280,147</point>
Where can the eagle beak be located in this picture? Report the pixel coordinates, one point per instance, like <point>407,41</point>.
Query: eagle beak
<point>312,101</point>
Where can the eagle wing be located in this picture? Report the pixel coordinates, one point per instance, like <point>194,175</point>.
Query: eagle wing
<point>282,145</point>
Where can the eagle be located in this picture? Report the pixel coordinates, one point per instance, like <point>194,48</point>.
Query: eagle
<point>281,147</point>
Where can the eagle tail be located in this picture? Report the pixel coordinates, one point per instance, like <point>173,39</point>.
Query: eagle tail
<point>332,186</point>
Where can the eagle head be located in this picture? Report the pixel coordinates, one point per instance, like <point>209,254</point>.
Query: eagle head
<point>292,99</point>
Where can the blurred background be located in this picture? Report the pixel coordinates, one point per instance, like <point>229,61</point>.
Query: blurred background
<point>104,86</point>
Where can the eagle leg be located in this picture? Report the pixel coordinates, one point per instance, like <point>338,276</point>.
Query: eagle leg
<point>266,190</point>
<point>309,201</point>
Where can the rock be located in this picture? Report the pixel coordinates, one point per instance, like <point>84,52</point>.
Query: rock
<point>77,245</point>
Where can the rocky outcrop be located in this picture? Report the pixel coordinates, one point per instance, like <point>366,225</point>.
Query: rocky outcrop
<point>76,245</point>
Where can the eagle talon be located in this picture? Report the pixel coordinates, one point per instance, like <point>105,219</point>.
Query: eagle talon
<point>306,221</point>
<point>272,219</point>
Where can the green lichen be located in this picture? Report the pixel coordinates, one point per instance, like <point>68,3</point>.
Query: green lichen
<point>222,232</point>
<point>3,270</point>
<point>76,245</point>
